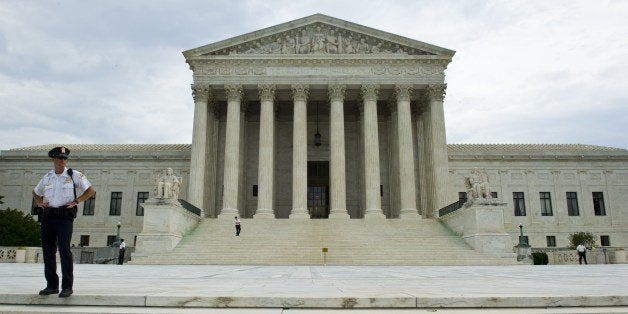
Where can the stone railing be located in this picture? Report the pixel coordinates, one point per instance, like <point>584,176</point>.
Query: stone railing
<point>15,254</point>
<point>450,208</point>
<point>600,255</point>
<point>80,255</point>
<point>189,207</point>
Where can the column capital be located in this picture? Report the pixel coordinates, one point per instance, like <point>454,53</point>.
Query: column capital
<point>403,92</point>
<point>337,92</point>
<point>437,91</point>
<point>266,92</point>
<point>370,91</point>
<point>201,92</point>
<point>234,92</point>
<point>300,91</point>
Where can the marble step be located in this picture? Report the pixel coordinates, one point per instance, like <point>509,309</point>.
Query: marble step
<point>299,242</point>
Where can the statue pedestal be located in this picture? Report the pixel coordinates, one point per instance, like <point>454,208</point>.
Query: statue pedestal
<point>482,227</point>
<point>165,224</point>
<point>524,253</point>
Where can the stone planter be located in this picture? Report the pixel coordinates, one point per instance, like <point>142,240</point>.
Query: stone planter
<point>20,255</point>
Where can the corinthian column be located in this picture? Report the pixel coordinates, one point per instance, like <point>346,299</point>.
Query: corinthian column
<point>436,146</point>
<point>232,152</point>
<point>299,152</point>
<point>337,159</point>
<point>200,146</point>
<point>266,152</point>
<point>407,191</point>
<point>371,153</point>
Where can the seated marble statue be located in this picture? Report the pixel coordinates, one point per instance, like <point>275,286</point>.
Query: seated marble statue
<point>168,185</point>
<point>477,184</point>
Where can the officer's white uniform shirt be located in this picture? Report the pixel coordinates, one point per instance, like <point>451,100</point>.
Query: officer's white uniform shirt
<point>57,190</point>
<point>122,245</point>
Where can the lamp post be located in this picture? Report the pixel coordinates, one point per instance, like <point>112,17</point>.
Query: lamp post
<point>523,249</point>
<point>118,234</point>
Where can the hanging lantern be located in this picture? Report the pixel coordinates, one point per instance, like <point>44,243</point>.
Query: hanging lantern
<point>317,137</point>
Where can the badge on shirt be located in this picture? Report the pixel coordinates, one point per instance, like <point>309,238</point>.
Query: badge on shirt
<point>68,180</point>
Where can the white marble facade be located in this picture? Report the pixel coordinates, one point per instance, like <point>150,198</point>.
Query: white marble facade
<point>377,100</point>
<point>373,96</point>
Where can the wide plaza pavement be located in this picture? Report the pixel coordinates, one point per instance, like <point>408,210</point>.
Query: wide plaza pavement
<point>329,289</point>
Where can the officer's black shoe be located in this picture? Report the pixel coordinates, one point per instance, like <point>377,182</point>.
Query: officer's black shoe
<point>65,293</point>
<point>48,291</point>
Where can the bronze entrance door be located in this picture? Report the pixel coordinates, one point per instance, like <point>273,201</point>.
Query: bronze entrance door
<point>318,189</point>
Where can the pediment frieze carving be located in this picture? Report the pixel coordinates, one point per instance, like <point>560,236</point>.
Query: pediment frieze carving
<point>318,39</point>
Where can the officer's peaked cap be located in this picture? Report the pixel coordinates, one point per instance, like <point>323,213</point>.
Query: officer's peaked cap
<point>59,151</point>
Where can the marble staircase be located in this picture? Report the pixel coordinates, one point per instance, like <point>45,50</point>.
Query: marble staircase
<point>301,242</point>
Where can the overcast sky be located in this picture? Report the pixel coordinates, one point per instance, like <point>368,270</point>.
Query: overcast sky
<point>112,72</point>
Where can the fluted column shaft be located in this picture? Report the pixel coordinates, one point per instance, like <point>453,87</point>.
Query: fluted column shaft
<point>196,187</point>
<point>437,148</point>
<point>407,191</point>
<point>422,161</point>
<point>266,152</point>
<point>338,199</point>
<point>299,152</point>
<point>232,152</point>
<point>371,153</point>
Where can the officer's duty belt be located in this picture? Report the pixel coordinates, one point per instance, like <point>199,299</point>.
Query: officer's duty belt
<point>58,212</point>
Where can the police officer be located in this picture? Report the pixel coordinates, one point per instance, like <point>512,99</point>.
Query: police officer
<point>56,197</point>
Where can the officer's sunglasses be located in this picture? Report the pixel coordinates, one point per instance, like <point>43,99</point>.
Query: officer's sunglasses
<point>62,158</point>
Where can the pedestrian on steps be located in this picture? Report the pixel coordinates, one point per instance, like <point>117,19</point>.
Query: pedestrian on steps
<point>237,226</point>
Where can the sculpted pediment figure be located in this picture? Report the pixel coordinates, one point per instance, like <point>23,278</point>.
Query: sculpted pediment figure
<point>318,35</point>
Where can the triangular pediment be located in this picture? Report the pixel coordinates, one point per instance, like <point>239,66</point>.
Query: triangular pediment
<point>318,35</point>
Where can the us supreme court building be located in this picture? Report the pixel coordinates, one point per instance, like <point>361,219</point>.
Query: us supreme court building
<point>324,119</point>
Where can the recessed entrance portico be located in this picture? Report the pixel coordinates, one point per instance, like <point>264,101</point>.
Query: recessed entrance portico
<point>318,189</point>
<point>380,99</point>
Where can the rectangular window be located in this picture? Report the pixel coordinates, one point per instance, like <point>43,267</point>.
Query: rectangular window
<point>519,202</point>
<point>115,206</point>
<point>111,239</point>
<point>546,203</point>
<point>605,240</point>
<point>89,205</point>
<point>381,190</point>
<point>551,241</point>
<point>255,190</point>
<point>598,204</point>
<point>572,204</point>
<point>494,194</point>
<point>462,197</point>
<point>141,197</point>
<point>84,240</point>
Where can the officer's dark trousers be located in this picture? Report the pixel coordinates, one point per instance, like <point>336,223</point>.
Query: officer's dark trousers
<point>53,231</point>
<point>121,256</point>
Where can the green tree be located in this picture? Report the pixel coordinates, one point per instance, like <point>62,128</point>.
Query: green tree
<point>586,238</point>
<point>18,228</point>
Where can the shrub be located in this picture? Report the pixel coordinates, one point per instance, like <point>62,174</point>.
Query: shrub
<point>586,238</point>
<point>18,229</point>
<point>540,258</point>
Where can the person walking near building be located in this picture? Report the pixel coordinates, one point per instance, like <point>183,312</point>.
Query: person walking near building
<point>121,253</point>
<point>56,199</point>
<point>582,253</point>
<point>237,226</point>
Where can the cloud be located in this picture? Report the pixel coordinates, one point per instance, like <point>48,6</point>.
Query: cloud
<point>112,72</point>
